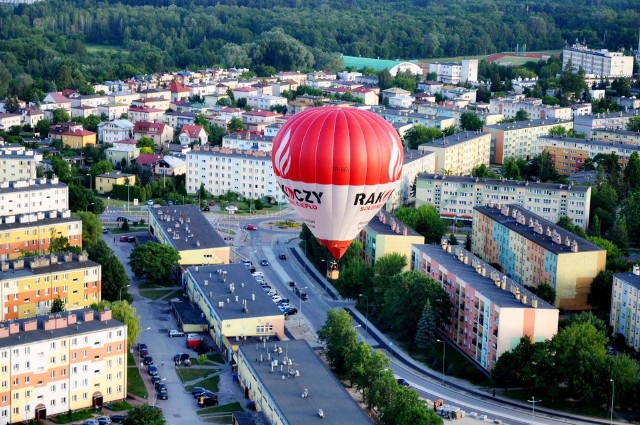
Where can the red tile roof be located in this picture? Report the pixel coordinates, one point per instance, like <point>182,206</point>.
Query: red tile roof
<point>246,89</point>
<point>78,133</point>
<point>148,159</point>
<point>260,113</point>
<point>127,142</point>
<point>149,127</point>
<point>178,87</point>
<point>58,98</point>
<point>193,131</point>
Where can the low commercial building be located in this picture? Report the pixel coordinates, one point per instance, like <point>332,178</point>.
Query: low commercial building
<point>290,384</point>
<point>33,233</point>
<point>532,250</point>
<point>519,139</point>
<point>385,235</point>
<point>33,196</point>
<point>460,153</point>
<point>55,364</point>
<point>625,307</point>
<point>29,286</point>
<point>491,312</point>
<point>186,229</point>
<point>456,73</point>
<point>456,196</point>
<point>105,182</point>
<point>568,154</point>
<point>234,305</point>
<point>18,164</point>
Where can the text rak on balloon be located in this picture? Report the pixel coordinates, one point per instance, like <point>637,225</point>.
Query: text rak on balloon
<point>311,199</point>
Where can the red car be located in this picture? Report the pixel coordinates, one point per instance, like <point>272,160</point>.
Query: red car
<point>252,227</point>
<point>212,204</point>
<point>124,239</point>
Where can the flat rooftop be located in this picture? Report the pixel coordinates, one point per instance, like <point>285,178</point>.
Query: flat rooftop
<point>215,282</point>
<point>504,182</point>
<point>38,223</point>
<point>190,230</point>
<point>455,139</point>
<point>376,224</point>
<point>528,232</point>
<point>592,142</point>
<point>482,284</point>
<point>523,124</point>
<point>630,278</point>
<point>25,186</point>
<point>324,389</point>
<point>27,268</point>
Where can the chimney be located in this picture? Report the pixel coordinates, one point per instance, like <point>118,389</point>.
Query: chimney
<point>31,325</point>
<point>4,332</point>
<point>88,316</point>
<point>14,328</point>
<point>105,315</point>
<point>71,319</point>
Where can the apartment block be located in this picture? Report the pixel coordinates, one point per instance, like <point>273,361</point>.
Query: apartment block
<point>410,117</point>
<point>234,305</point>
<point>456,73</point>
<point>460,153</point>
<point>292,385</point>
<point>601,63</point>
<point>33,233</point>
<point>612,121</point>
<point>54,364</point>
<point>186,229</point>
<point>29,286</point>
<point>247,140</point>
<point>518,139</point>
<point>415,163</point>
<point>456,196</point>
<point>221,170</point>
<point>532,250</point>
<point>33,196</point>
<point>18,164</point>
<point>616,135</point>
<point>491,311</point>
<point>384,235</point>
<point>625,307</point>
<point>569,154</point>
<point>532,106</point>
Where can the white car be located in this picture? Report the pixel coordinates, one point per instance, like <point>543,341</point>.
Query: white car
<point>175,332</point>
<point>276,298</point>
<point>272,292</point>
<point>255,274</point>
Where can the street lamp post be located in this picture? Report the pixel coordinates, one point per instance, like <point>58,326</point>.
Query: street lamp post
<point>613,393</point>
<point>533,402</point>
<point>366,322</point>
<point>444,345</point>
<point>87,207</point>
<point>121,288</point>
<point>90,182</point>
<point>300,296</point>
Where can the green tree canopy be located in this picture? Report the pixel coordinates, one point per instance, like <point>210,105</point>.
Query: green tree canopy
<point>154,261</point>
<point>57,305</point>
<point>633,124</point>
<point>91,228</point>
<point>235,125</point>
<point>144,415</point>
<point>60,116</point>
<point>424,220</point>
<point>600,291</point>
<point>61,169</point>
<point>114,275</point>
<point>340,338</point>
<point>146,142</point>
<point>419,134</point>
<point>101,167</point>
<point>127,314</point>
<point>470,122</point>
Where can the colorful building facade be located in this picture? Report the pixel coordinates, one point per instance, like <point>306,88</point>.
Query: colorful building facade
<point>625,307</point>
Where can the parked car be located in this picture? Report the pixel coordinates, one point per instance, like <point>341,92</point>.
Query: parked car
<point>283,301</point>
<point>266,288</point>
<point>283,307</point>
<point>272,292</point>
<point>291,311</point>
<point>150,202</point>
<point>147,360</point>
<point>193,342</point>
<point>163,394</point>
<point>131,239</point>
<point>144,351</point>
<point>104,420</point>
<point>175,300</point>
<point>155,379</point>
<point>124,238</point>
<point>404,382</point>
<point>292,284</point>
<point>117,419</point>
<point>204,393</point>
<point>153,370</point>
<point>90,422</point>
<point>256,274</point>
<point>207,401</point>
<point>197,390</point>
<point>304,296</point>
<point>120,219</point>
<point>160,385</point>
<point>296,291</point>
<point>212,204</point>
<point>276,298</point>
<point>252,227</point>
<point>175,332</point>
<point>283,256</point>
<point>264,263</point>
<point>247,263</point>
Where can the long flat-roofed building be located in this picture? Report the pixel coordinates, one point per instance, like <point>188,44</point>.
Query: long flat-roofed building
<point>29,286</point>
<point>415,163</point>
<point>625,307</point>
<point>456,196</point>
<point>294,386</point>
<point>234,305</point>
<point>33,196</point>
<point>460,153</point>
<point>613,120</point>
<point>186,229</point>
<point>532,250</point>
<point>60,363</point>
<point>616,135</point>
<point>491,311</point>
<point>518,139</point>
<point>601,63</point>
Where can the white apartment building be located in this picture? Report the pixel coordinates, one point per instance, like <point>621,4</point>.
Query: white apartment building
<point>415,163</point>
<point>625,307</point>
<point>617,136</point>
<point>456,73</point>
<point>18,164</point>
<point>614,120</point>
<point>222,170</point>
<point>416,118</point>
<point>265,102</point>
<point>519,139</point>
<point>113,131</point>
<point>33,196</point>
<point>248,141</point>
<point>455,197</point>
<point>8,120</point>
<point>532,106</point>
<point>59,363</point>
<point>460,153</point>
<point>113,111</point>
<point>601,63</point>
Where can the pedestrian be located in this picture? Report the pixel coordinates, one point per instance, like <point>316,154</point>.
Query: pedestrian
<point>114,239</point>
<point>162,363</point>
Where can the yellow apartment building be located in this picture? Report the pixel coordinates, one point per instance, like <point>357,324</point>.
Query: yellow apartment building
<point>105,182</point>
<point>54,364</point>
<point>78,139</point>
<point>234,305</point>
<point>186,229</point>
<point>460,153</point>
<point>29,286</point>
<point>32,233</point>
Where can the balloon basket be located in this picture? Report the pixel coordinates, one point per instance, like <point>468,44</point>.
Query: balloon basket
<point>332,271</point>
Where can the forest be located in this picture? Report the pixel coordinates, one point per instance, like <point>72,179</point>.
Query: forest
<point>56,44</point>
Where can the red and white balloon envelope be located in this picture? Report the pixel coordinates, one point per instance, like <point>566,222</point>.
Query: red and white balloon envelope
<point>337,167</point>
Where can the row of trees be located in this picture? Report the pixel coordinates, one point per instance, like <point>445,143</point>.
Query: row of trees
<point>367,370</point>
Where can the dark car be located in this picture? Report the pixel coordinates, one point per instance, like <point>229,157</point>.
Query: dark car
<point>153,370</point>
<point>304,296</point>
<point>120,219</point>
<point>292,284</point>
<point>296,290</point>
<point>147,360</point>
<point>160,385</point>
<point>291,311</point>
<point>131,239</point>
<point>252,269</point>
<point>118,419</point>
<point>283,256</point>
<point>403,382</point>
<point>124,239</point>
<point>142,347</point>
<point>163,394</point>
<point>207,401</point>
<point>155,379</point>
<point>205,393</point>
<point>104,420</point>
<point>206,209</point>
<point>197,390</point>
<point>264,263</point>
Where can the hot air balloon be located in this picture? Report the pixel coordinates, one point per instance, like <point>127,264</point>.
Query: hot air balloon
<point>337,167</point>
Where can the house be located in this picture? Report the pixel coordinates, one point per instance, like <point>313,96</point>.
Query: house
<point>266,102</point>
<point>112,131</point>
<point>122,154</point>
<point>93,100</point>
<point>179,118</point>
<point>260,117</point>
<point>31,116</point>
<point>152,102</point>
<point>170,166</point>
<point>368,96</point>
<point>8,120</point>
<point>104,182</point>
<point>56,130</point>
<point>54,101</point>
<point>179,91</point>
<point>78,139</point>
<point>113,110</point>
<point>162,134</point>
<point>298,77</point>
<point>136,114</point>
<point>264,89</point>
<point>125,142</point>
<point>156,93</point>
<point>193,134</point>
<point>125,98</point>
<point>83,111</point>
<point>244,92</point>
<point>148,160</point>
<point>460,153</point>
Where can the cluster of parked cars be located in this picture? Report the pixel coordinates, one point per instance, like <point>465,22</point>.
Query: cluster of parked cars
<point>161,388</point>
<point>129,239</point>
<point>282,303</point>
<point>205,397</point>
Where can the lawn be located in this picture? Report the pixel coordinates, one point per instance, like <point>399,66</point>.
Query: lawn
<point>154,285</point>
<point>215,357</point>
<point>208,383</point>
<point>187,374</point>
<point>131,361</point>
<point>118,406</point>
<point>224,408</point>
<point>73,417</point>
<point>562,404</point>
<point>154,294</point>
<point>135,384</point>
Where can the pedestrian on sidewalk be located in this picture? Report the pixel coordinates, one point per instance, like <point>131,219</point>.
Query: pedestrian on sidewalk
<point>162,363</point>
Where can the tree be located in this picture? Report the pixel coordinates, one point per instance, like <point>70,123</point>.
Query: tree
<point>546,292</point>
<point>385,271</point>
<point>363,364</point>
<point>144,415</point>
<point>512,168</point>
<point>631,210</point>
<point>614,253</point>
<point>57,305</point>
<point>619,234</point>
<point>80,198</point>
<point>558,131</point>
<point>625,372</point>
<point>60,116</point>
<point>202,360</point>
<point>631,174</point>
<point>633,125</point>
<point>425,335</point>
<point>124,312</point>
<point>483,171</point>
<point>419,134</point>
<point>61,169</point>
<point>566,223</point>
<point>235,125</point>
<point>114,275</point>
<point>355,279</point>
<point>600,291</point>
<point>12,104</point>
<point>470,122</point>
<point>453,240</point>
<point>424,220</point>
<point>61,244</point>
<point>382,390</point>
<point>146,142</point>
<point>339,337</point>
<point>42,128</point>
<point>595,228</point>
<point>91,228</point>
<point>385,80</point>
<point>467,242</point>
<point>154,261</point>
<point>521,115</point>
<point>101,167</point>
<point>406,407</point>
